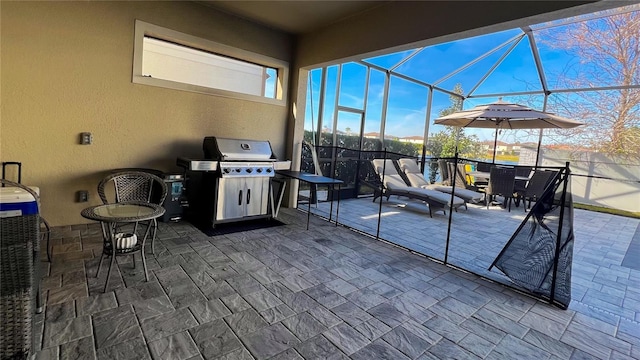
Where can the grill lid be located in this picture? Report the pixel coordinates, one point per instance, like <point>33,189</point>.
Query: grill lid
<point>225,149</point>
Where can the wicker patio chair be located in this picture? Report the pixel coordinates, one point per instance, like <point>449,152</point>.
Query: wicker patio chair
<point>481,166</point>
<point>135,186</point>
<point>19,279</point>
<point>501,182</point>
<point>520,185</point>
<point>45,233</point>
<point>535,187</point>
<point>524,171</point>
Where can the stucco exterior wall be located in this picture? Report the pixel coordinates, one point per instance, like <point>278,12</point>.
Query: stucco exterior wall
<point>598,179</point>
<point>66,68</point>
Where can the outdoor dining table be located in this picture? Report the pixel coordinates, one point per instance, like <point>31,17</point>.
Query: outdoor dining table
<point>486,175</point>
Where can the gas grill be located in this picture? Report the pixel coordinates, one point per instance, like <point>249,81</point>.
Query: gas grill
<point>234,180</point>
<point>240,158</point>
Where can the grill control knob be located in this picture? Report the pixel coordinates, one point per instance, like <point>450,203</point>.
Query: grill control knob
<point>249,171</point>
<point>226,170</point>
<point>238,170</point>
<point>268,170</point>
<point>259,170</point>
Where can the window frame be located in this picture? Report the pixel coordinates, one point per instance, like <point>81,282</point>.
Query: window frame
<point>143,29</point>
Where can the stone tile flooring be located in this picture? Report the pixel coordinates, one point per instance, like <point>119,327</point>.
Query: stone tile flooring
<point>601,281</point>
<point>287,293</point>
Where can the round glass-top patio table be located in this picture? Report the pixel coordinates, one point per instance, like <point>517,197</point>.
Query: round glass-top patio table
<point>109,216</point>
<point>123,212</point>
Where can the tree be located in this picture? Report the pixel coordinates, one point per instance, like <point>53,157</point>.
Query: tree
<point>608,49</point>
<point>443,143</point>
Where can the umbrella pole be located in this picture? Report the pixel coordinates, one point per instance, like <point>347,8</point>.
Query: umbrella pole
<point>495,146</point>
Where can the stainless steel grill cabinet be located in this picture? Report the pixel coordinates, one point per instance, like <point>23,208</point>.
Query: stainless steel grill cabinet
<point>236,183</point>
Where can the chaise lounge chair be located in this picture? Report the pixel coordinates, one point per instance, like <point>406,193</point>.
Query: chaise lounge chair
<point>416,179</point>
<point>394,184</point>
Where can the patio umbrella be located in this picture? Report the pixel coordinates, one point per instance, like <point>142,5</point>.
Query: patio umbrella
<point>504,115</point>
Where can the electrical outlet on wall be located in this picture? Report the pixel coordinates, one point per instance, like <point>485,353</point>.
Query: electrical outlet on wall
<point>82,196</point>
<point>86,138</point>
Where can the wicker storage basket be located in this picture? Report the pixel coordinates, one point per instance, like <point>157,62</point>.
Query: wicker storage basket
<point>19,236</point>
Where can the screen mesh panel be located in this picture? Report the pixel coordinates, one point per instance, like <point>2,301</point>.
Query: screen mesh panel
<point>538,256</point>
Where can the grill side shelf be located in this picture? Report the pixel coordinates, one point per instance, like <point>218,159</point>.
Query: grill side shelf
<point>197,165</point>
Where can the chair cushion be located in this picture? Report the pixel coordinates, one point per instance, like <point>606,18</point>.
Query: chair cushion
<point>432,195</point>
<point>417,180</point>
<point>394,182</point>
<point>468,195</point>
<point>412,172</point>
<point>438,196</point>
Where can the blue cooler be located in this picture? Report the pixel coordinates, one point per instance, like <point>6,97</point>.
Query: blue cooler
<point>15,201</point>
<point>19,270</point>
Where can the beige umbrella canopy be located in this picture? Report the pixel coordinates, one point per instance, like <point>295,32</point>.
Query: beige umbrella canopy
<point>504,115</point>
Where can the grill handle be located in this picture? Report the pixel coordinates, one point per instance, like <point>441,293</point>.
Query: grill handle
<point>248,196</point>
<point>240,198</point>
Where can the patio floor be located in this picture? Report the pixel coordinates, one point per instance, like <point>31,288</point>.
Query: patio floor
<point>602,279</point>
<point>331,293</point>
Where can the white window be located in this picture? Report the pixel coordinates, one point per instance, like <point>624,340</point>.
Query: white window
<point>170,59</point>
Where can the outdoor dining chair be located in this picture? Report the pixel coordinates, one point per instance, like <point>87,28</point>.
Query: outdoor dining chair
<point>501,182</point>
<point>126,186</point>
<point>522,172</point>
<point>483,166</point>
<point>535,187</point>
<point>480,183</point>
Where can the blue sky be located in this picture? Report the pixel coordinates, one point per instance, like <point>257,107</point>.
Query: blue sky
<point>408,102</point>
